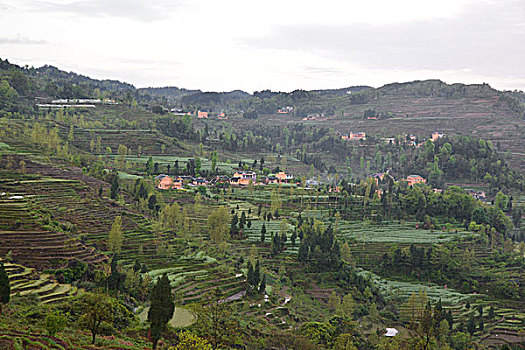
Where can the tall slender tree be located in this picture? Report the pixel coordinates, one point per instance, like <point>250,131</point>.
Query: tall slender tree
<point>5,289</point>
<point>116,236</point>
<point>161,309</point>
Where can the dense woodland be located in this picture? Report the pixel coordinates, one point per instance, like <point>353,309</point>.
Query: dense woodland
<point>94,256</point>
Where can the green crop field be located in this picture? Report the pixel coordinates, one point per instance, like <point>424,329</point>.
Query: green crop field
<point>395,233</point>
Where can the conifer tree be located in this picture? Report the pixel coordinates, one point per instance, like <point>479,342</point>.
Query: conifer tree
<point>263,233</point>
<point>249,274</point>
<point>161,309</point>
<point>114,187</point>
<point>256,274</point>
<point>262,285</point>
<point>5,289</point>
<point>233,224</point>
<point>242,221</point>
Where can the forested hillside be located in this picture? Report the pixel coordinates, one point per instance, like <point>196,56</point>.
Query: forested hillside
<point>304,220</point>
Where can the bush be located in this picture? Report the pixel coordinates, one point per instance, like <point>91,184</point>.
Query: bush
<point>54,323</point>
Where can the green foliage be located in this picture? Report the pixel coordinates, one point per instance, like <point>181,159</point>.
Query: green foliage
<point>161,309</point>
<point>218,226</point>
<point>54,323</point>
<point>214,320</point>
<point>318,333</point>
<point>114,192</point>
<point>188,340</point>
<point>319,248</point>
<point>5,288</point>
<point>96,309</point>
<point>116,236</point>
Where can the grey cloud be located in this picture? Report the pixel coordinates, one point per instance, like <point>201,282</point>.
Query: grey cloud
<point>146,11</point>
<point>487,40</point>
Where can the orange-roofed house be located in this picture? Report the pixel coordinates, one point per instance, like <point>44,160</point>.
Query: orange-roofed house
<point>165,182</point>
<point>243,178</point>
<point>283,177</point>
<point>354,136</point>
<point>201,114</point>
<point>415,179</point>
<point>436,135</point>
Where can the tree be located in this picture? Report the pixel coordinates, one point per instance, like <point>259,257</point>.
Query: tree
<point>334,301</point>
<point>262,285</point>
<point>501,201</point>
<point>344,342</point>
<point>54,323</point>
<point>114,187</point>
<point>242,221</point>
<point>116,237</point>
<point>491,312</point>
<point>152,202</point>
<point>161,309</point>
<point>218,225</point>
<point>293,237</point>
<point>346,254</point>
<point>471,325</point>
<point>214,159</point>
<point>480,310</point>
<point>348,305</point>
<point>233,225</point>
<point>171,217</point>
<point>150,166</point>
<point>214,319</point>
<point>97,308</point>
<point>5,289</point>
<point>263,233</point>
<point>191,341</point>
<point>122,152</point>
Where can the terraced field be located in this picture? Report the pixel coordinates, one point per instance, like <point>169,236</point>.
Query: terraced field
<point>194,276</point>
<point>395,233</point>
<point>31,243</point>
<point>55,200</point>
<point>26,281</point>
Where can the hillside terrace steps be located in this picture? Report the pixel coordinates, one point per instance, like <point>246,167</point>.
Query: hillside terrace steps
<point>25,281</point>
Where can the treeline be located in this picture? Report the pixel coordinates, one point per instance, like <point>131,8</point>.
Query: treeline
<point>461,158</point>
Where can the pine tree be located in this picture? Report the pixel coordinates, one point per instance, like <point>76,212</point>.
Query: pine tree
<point>137,266</point>
<point>242,222</point>
<point>233,224</point>
<point>161,309</point>
<point>114,187</point>
<point>152,202</point>
<point>142,192</point>
<point>303,252</point>
<point>5,289</point>
<point>256,274</point>
<point>491,312</point>
<point>263,233</point>
<point>262,285</point>
<point>249,274</point>
<point>293,238</point>
<point>471,325</point>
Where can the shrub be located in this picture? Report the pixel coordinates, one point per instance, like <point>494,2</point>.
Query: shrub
<point>54,323</point>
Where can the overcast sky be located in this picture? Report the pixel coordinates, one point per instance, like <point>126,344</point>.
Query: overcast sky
<point>222,45</point>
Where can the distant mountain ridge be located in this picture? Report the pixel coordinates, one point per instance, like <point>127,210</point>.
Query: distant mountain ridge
<point>56,83</point>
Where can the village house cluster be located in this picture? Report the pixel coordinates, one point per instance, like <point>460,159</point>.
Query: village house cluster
<point>239,178</point>
<point>351,136</point>
<point>410,139</point>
